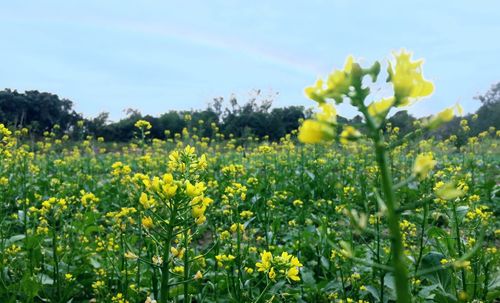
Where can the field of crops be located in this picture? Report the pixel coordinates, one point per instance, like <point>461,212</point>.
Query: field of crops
<point>192,219</point>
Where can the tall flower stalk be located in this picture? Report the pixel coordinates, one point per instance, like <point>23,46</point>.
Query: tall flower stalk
<point>409,85</point>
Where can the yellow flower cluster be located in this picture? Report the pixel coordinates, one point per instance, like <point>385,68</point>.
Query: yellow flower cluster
<point>121,217</point>
<point>424,163</point>
<point>321,128</point>
<point>223,260</point>
<point>143,124</point>
<point>199,202</point>
<point>119,298</point>
<point>51,208</point>
<point>443,116</point>
<point>165,188</point>
<point>407,79</point>
<point>336,86</point>
<point>480,212</point>
<point>150,202</point>
<point>233,170</point>
<point>88,199</point>
<point>187,161</point>
<point>282,266</point>
<point>120,169</point>
<point>405,76</point>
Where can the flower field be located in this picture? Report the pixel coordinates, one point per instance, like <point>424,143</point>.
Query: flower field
<point>362,215</point>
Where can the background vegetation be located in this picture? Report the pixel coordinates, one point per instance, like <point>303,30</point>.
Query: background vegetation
<point>40,111</point>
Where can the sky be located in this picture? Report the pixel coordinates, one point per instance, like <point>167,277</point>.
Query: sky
<point>154,56</point>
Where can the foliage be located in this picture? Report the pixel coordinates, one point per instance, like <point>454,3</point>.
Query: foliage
<point>80,223</point>
<point>373,212</point>
<point>40,112</point>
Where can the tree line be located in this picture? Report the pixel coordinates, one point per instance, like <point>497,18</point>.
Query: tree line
<point>41,111</point>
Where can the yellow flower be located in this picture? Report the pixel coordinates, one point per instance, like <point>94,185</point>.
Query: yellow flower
<point>198,275</point>
<point>225,235</point>
<point>198,211</point>
<point>349,134</point>
<point>313,131</point>
<point>246,214</point>
<point>462,264</point>
<point>236,227</point>
<point>200,220</point>
<point>424,163</point>
<point>88,198</point>
<point>194,190</point>
<point>98,284</point>
<point>130,255</point>
<point>293,274</point>
<point>272,274</point>
<point>143,124</point>
<point>444,116</point>
<point>177,253</point>
<point>295,262</point>
<point>146,202</point>
<point>379,109</point>
<point>407,79</point>
<point>285,257</point>
<point>339,81</point>
<point>266,258</point>
<point>337,84</point>
<point>328,113</point>
<point>449,191</point>
<point>147,222</point>
<point>169,190</point>
<point>316,91</point>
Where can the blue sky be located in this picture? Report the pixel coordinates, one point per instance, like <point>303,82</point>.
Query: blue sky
<point>161,55</point>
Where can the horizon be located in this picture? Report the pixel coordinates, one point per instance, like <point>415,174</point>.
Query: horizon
<point>108,57</point>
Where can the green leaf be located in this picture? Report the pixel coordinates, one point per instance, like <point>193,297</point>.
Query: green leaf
<point>276,287</point>
<point>426,291</point>
<point>308,277</point>
<point>45,279</point>
<point>29,286</point>
<point>95,263</point>
<point>374,292</point>
<point>441,276</point>
<point>14,239</point>
<point>325,262</point>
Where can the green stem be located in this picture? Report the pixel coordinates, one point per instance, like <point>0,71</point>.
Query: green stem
<point>262,293</point>
<point>165,287</point>
<point>186,267</point>
<point>124,265</point>
<point>56,263</point>
<point>486,280</point>
<point>378,259</point>
<point>155,276</point>
<point>422,233</point>
<point>343,284</point>
<point>398,257</point>
<point>459,245</point>
<point>238,259</point>
<point>141,243</point>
